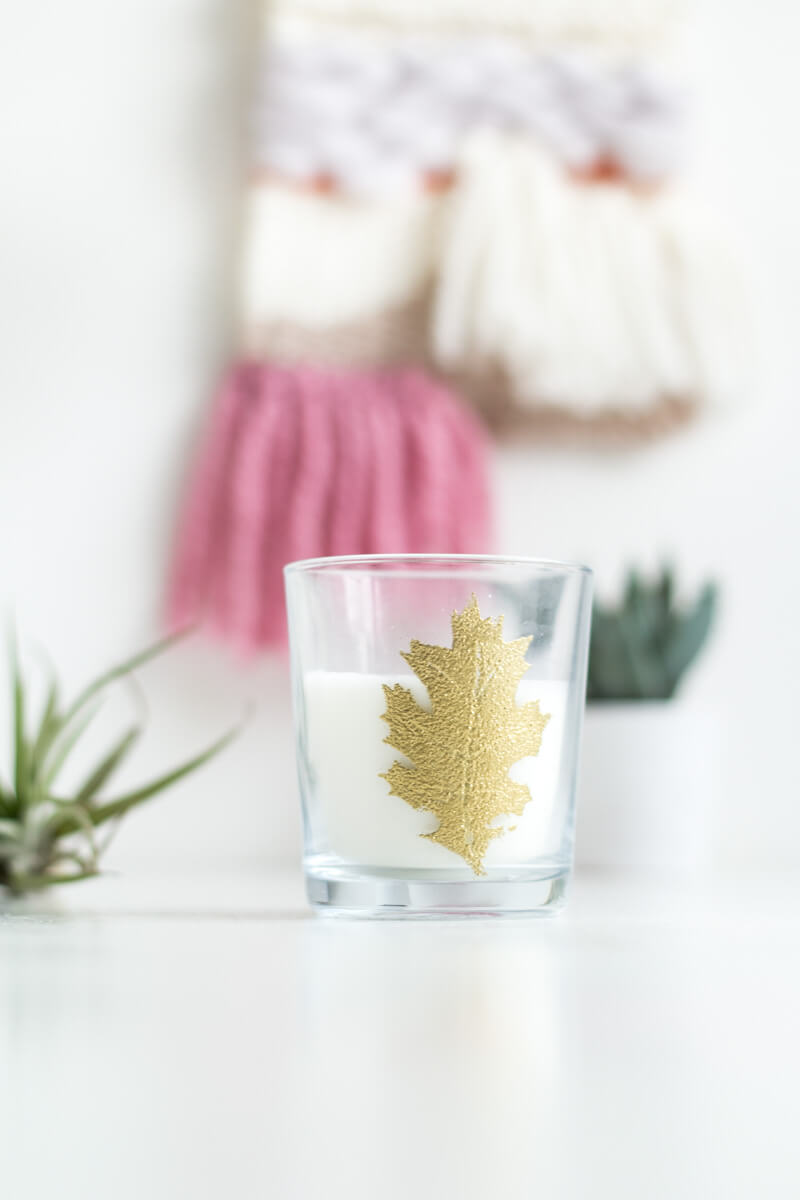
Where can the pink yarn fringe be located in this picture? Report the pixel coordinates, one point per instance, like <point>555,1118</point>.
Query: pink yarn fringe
<point>298,463</point>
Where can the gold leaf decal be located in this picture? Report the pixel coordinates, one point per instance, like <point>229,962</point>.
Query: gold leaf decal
<point>463,748</point>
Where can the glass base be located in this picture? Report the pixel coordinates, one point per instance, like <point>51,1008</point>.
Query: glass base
<point>364,893</point>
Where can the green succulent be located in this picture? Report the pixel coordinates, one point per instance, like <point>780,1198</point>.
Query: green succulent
<point>47,838</point>
<point>641,649</point>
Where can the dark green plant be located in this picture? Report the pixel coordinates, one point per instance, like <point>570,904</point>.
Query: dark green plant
<point>641,649</point>
<point>47,838</point>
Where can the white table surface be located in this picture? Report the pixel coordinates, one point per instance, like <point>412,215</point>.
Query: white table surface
<point>207,1037</point>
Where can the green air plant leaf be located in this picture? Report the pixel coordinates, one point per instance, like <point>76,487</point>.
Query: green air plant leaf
<point>72,730</point>
<point>108,765</point>
<point>49,724</point>
<point>100,813</point>
<point>462,749</point>
<point>120,671</point>
<point>48,839</point>
<point>21,766</point>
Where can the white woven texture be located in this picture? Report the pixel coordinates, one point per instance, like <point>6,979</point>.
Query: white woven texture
<point>590,297</point>
<point>636,21</point>
<point>374,114</point>
<point>321,261</point>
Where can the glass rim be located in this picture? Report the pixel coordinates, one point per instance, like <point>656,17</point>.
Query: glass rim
<point>349,563</point>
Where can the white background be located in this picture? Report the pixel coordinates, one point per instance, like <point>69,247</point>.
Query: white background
<point>121,154</point>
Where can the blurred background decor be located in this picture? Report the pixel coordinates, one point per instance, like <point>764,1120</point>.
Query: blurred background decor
<point>477,215</point>
<point>650,765</point>
<point>590,306</point>
<point>574,288</point>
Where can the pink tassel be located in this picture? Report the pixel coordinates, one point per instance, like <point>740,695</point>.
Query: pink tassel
<point>198,533</point>
<point>308,512</point>
<point>355,469</point>
<point>300,463</point>
<point>387,419</point>
<point>470,529</point>
<point>243,570</point>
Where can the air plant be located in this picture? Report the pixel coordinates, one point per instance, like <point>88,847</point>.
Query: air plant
<point>47,838</point>
<point>641,649</point>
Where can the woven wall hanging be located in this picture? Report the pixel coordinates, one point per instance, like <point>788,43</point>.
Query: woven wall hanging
<point>459,215</point>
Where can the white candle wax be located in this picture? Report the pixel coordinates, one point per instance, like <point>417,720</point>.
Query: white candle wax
<point>363,823</point>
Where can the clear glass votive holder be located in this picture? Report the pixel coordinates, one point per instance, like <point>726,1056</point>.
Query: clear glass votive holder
<point>438,708</point>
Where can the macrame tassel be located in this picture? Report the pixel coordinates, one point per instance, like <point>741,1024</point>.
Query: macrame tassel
<point>200,535</point>
<point>300,462</point>
<point>317,261</point>
<point>595,301</point>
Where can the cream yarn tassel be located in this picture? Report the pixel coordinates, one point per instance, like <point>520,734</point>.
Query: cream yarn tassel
<point>320,261</point>
<point>584,297</point>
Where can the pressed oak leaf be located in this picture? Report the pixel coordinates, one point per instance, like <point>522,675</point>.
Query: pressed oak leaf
<point>462,748</point>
